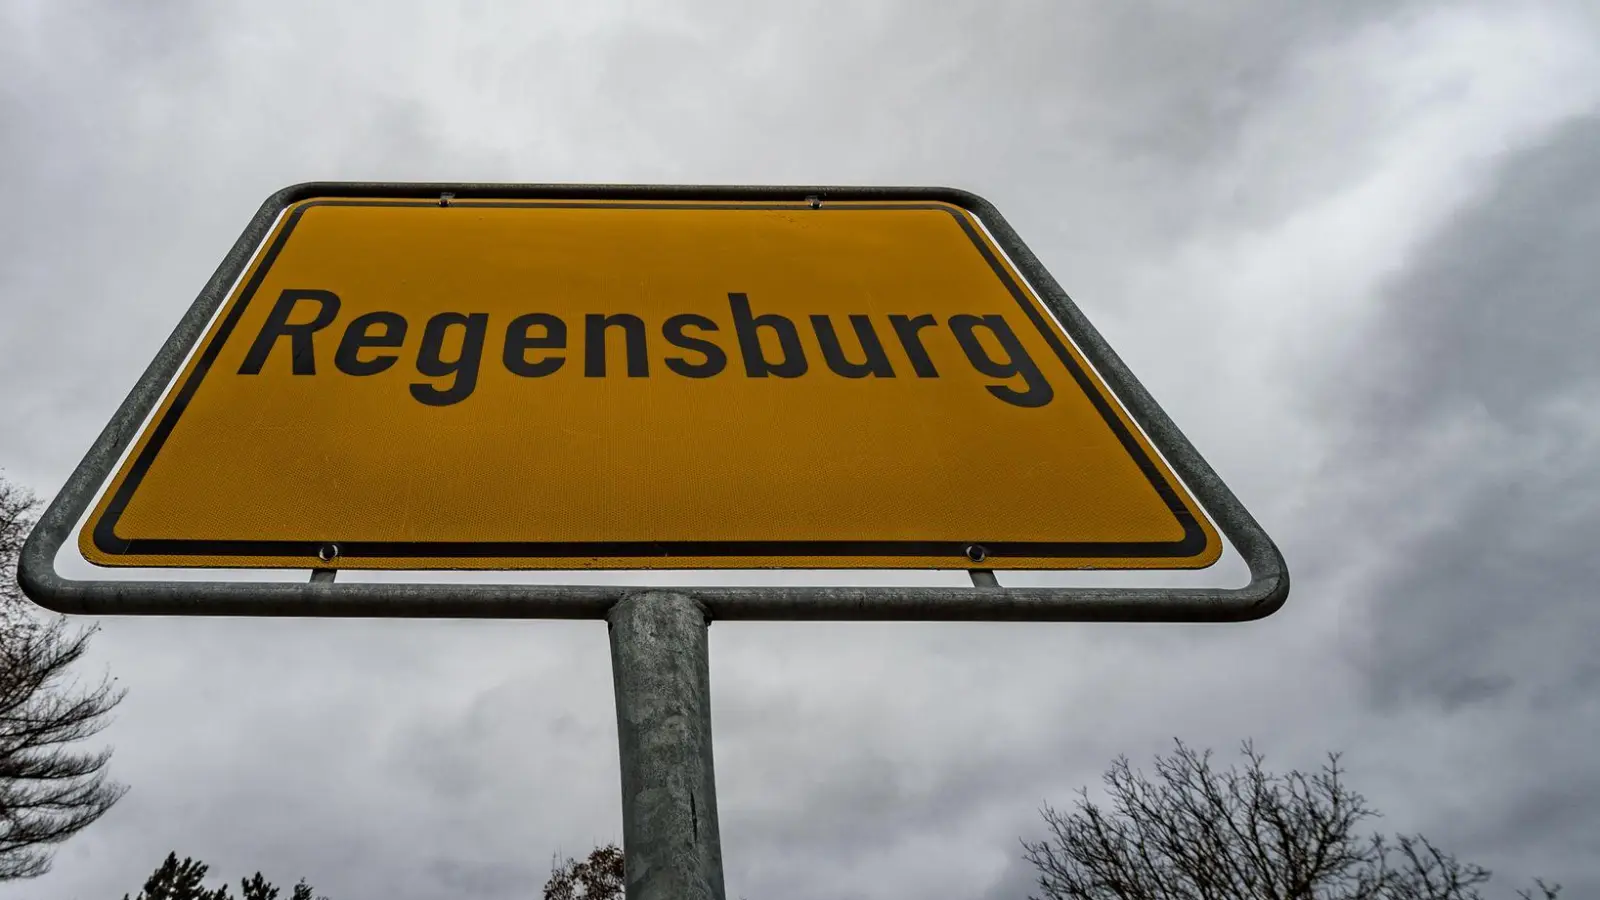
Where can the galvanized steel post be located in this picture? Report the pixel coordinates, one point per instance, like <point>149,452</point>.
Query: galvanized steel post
<point>660,667</point>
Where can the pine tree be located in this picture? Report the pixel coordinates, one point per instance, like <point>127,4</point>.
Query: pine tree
<point>176,880</point>
<point>257,888</point>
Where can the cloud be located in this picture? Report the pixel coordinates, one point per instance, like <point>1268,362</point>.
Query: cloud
<point>1476,412</point>
<point>1343,244</point>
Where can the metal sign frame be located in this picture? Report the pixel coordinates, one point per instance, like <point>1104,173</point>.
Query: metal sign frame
<point>324,596</point>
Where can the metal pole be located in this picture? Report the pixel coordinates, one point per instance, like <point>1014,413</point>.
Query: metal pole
<point>671,846</point>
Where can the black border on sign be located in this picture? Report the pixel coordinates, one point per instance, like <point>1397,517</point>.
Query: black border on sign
<point>107,541</point>
<point>1266,591</point>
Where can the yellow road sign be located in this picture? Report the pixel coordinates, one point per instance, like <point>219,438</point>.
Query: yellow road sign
<point>533,384</point>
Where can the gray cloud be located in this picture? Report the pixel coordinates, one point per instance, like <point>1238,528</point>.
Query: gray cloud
<point>1487,613</point>
<point>1499,310</point>
<point>1343,244</point>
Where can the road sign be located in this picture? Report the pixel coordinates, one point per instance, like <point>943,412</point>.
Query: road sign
<point>548,377</point>
<point>523,377</point>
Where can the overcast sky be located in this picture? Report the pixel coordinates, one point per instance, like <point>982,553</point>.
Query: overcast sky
<point>1350,247</point>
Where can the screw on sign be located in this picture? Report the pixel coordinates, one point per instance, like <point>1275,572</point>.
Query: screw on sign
<point>557,377</point>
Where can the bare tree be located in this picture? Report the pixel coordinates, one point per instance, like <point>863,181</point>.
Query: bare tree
<point>48,793</point>
<point>1200,833</point>
<point>599,877</point>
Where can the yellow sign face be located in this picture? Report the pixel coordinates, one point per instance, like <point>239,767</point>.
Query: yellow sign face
<point>602,384</point>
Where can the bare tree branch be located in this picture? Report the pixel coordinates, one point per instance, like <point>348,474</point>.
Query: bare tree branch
<point>1194,832</point>
<point>48,792</point>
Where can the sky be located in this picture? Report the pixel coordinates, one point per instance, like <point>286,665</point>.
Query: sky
<point>1348,247</point>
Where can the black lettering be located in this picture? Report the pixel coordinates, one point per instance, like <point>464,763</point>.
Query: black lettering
<point>1017,362</point>
<point>756,364</point>
<point>906,327</point>
<point>358,336</point>
<point>464,367</point>
<point>877,363</point>
<point>518,343</point>
<point>594,350</point>
<point>715,361</point>
<point>302,360</point>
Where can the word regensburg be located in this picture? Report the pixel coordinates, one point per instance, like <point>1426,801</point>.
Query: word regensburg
<point>532,339</point>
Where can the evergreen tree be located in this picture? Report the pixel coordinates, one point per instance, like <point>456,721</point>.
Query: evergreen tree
<point>257,888</point>
<point>175,880</point>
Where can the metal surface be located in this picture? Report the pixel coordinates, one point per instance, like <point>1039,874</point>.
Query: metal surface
<point>671,844</point>
<point>1266,591</point>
